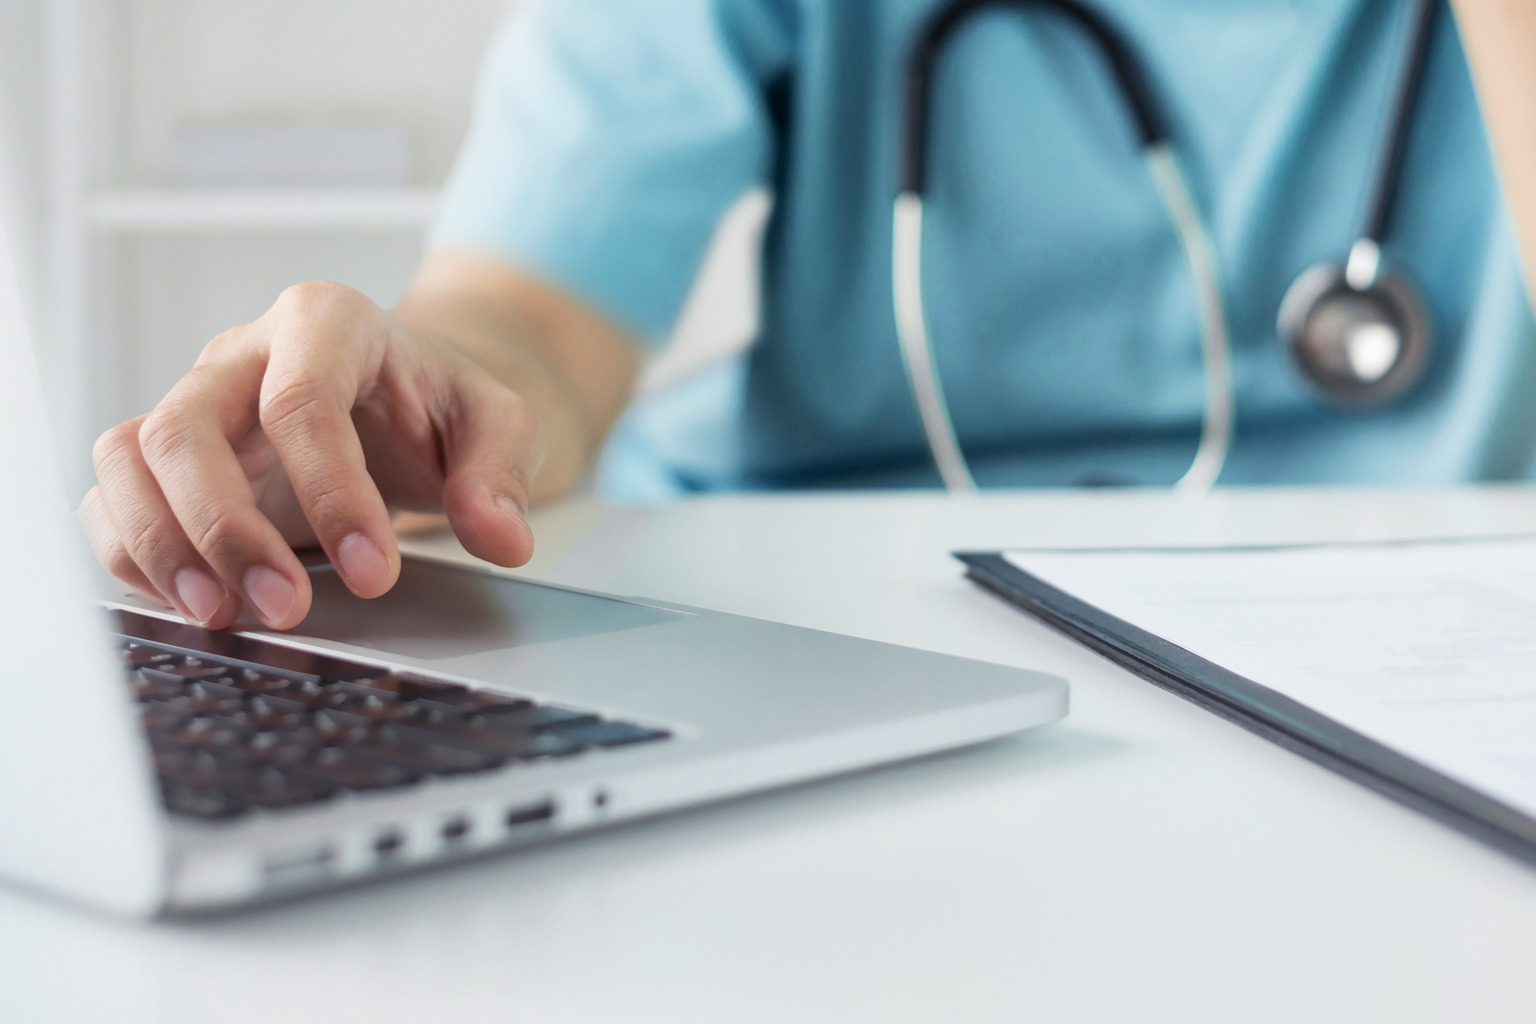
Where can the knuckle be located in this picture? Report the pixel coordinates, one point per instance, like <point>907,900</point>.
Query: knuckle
<point>111,446</point>
<point>148,544</point>
<point>224,342</point>
<point>90,511</point>
<point>292,401</point>
<point>313,295</point>
<point>328,503</point>
<point>166,431</point>
<point>121,564</point>
<point>218,536</point>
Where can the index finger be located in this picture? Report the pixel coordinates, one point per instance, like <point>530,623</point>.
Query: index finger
<point>319,358</point>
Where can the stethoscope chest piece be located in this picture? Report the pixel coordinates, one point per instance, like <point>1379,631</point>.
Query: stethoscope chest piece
<point>1357,333</point>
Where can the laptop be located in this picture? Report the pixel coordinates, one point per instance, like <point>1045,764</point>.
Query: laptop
<point>153,768</point>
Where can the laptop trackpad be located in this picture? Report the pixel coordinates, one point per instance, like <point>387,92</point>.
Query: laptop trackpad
<point>437,612</point>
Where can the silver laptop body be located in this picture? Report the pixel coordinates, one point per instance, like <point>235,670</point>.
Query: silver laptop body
<point>727,705</point>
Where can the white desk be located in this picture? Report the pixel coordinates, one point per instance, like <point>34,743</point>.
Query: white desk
<point>1144,861</point>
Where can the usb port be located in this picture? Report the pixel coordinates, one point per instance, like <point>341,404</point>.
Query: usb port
<point>530,814</point>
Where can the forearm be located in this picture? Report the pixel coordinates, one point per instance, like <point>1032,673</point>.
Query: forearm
<point>1500,39</point>
<point>574,369</point>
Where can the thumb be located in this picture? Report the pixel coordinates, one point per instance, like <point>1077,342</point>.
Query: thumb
<point>492,447</point>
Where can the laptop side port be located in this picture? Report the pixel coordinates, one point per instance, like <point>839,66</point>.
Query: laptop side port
<point>292,869</point>
<point>529,814</point>
<point>388,842</point>
<point>455,828</point>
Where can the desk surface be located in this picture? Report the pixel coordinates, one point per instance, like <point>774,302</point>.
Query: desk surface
<point>1142,861</point>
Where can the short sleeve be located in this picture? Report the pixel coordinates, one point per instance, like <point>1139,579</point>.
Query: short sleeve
<point>608,139</point>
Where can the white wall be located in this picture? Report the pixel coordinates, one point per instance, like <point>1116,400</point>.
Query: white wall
<point>406,61</point>
<point>157,297</point>
<point>21,140</point>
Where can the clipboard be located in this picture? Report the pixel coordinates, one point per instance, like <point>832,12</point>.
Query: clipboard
<point>1261,710</point>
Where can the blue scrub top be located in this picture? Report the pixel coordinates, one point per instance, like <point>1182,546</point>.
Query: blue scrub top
<point>611,135</point>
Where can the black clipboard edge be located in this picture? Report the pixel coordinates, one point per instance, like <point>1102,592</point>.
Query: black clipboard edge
<point>1261,710</point>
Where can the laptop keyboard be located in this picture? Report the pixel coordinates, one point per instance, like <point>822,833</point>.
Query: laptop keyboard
<point>229,735</point>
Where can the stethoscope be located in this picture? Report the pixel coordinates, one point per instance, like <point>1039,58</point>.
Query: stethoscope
<point>1357,332</point>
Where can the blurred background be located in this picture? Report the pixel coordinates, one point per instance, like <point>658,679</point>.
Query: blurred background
<point>171,165</point>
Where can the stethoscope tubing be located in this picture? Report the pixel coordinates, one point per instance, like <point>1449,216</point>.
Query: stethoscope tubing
<point>1360,273</point>
<point>1394,144</point>
<point>1200,255</point>
<point>916,351</point>
<point>1173,189</point>
<point>1215,336</point>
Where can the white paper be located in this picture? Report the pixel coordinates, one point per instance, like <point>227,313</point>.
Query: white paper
<point>1427,648</point>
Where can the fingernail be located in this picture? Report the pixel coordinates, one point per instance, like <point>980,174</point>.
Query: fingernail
<point>271,594</point>
<point>361,561</point>
<point>508,506</point>
<point>200,593</point>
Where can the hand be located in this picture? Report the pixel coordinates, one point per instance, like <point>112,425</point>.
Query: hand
<point>309,426</point>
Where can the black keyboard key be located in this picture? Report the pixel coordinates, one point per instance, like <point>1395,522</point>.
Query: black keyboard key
<point>413,688</point>
<point>207,698</point>
<point>514,745</point>
<point>215,688</point>
<point>273,787</point>
<point>311,694</point>
<point>341,727</point>
<point>189,668</point>
<point>204,705</point>
<point>155,673</point>
<point>258,785</point>
<point>480,701</point>
<point>281,749</point>
<point>543,744</point>
<point>211,732</point>
<point>458,731</point>
<point>169,761</point>
<point>202,803</point>
<point>336,766</point>
<point>536,717</point>
<point>435,711</point>
<point>265,713</point>
<point>162,719</point>
<point>361,691</point>
<point>441,695</point>
<point>612,734</point>
<point>367,702</point>
<point>432,758</point>
<point>253,683</point>
<point>203,769</point>
<point>137,655</point>
<point>155,686</point>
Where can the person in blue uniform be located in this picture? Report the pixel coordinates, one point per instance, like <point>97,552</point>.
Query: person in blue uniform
<point>610,136</point>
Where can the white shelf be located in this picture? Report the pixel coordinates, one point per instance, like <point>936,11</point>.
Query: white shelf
<point>286,209</point>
